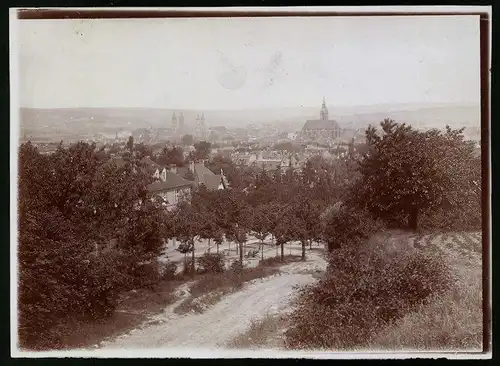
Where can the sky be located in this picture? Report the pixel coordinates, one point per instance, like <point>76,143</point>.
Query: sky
<point>242,63</point>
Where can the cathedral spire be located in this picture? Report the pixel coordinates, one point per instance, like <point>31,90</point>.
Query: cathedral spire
<point>324,111</point>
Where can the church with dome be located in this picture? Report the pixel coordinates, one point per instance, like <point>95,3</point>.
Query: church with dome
<point>322,129</point>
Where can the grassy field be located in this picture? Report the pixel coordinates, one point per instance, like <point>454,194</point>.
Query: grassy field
<point>450,321</point>
<point>410,293</point>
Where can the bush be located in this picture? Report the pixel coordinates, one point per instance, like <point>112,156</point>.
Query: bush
<point>364,290</point>
<point>146,275</point>
<point>349,226</point>
<point>276,261</point>
<point>88,290</point>
<point>211,263</point>
<point>237,266</point>
<point>169,271</point>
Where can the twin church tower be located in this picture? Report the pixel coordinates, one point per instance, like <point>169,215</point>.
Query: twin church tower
<point>179,129</point>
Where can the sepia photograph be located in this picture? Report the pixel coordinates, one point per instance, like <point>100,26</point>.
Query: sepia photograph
<point>250,183</point>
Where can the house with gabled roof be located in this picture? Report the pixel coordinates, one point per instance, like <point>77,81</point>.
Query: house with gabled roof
<point>171,187</point>
<point>200,174</point>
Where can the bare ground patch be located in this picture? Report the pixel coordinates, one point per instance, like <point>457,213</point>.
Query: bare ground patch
<point>210,288</point>
<point>262,333</point>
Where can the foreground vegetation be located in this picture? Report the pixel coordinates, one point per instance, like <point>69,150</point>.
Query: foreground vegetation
<point>89,233</point>
<point>377,294</point>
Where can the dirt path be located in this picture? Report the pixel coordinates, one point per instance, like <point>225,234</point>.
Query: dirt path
<point>226,319</point>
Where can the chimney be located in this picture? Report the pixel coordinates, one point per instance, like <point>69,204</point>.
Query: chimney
<point>173,168</point>
<point>191,166</point>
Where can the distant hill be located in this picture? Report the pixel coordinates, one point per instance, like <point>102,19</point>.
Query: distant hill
<point>80,123</point>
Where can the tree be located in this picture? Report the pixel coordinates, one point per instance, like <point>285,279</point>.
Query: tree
<point>283,230</point>
<point>262,223</point>
<point>407,173</point>
<point>236,225</point>
<point>187,140</point>
<point>190,220</point>
<point>143,151</point>
<point>70,207</point>
<point>306,220</point>
<point>171,156</point>
<point>202,150</point>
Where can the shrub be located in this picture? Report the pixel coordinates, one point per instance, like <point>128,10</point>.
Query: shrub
<point>349,226</point>
<point>364,290</point>
<point>211,263</point>
<point>146,275</point>
<point>237,266</point>
<point>87,290</point>
<point>169,271</point>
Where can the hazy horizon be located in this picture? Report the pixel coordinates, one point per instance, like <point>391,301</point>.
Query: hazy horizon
<point>238,64</point>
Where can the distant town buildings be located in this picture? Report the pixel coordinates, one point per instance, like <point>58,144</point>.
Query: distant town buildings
<point>201,132</point>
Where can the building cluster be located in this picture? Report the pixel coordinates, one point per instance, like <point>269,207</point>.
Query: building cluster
<point>172,183</point>
<point>178,127</point>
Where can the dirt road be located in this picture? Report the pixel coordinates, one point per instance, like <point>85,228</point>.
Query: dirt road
<point>226,319</point>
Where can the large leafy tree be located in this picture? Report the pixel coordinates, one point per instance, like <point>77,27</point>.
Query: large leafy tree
<point>187,140</point>
<point>70,207</point>
<point>407,173</point>
<point>189,220</point>
<point>171,156</point>
<point>306,214</point>
<point>202,150</point>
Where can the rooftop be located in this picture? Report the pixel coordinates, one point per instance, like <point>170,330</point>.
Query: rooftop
<point>320,125</point>
<point>172,181</point>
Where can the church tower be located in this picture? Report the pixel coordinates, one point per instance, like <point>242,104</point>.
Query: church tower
<point>181,122</point>
<point>174,123</point>
<point>324,111</point>
<point>200,126</point>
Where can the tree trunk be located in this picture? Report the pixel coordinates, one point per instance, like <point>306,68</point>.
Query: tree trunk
<point>241,253</point>
<point>282,252</point>
<point>413,219</point>
<point>209,245</point>
<point>310,244</point>
<point>303,250</point>
<point>192,261</point>
<point>217,247</point>
<point>262,250</point>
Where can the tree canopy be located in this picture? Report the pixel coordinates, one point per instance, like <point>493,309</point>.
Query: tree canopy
<point>407,173</point>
